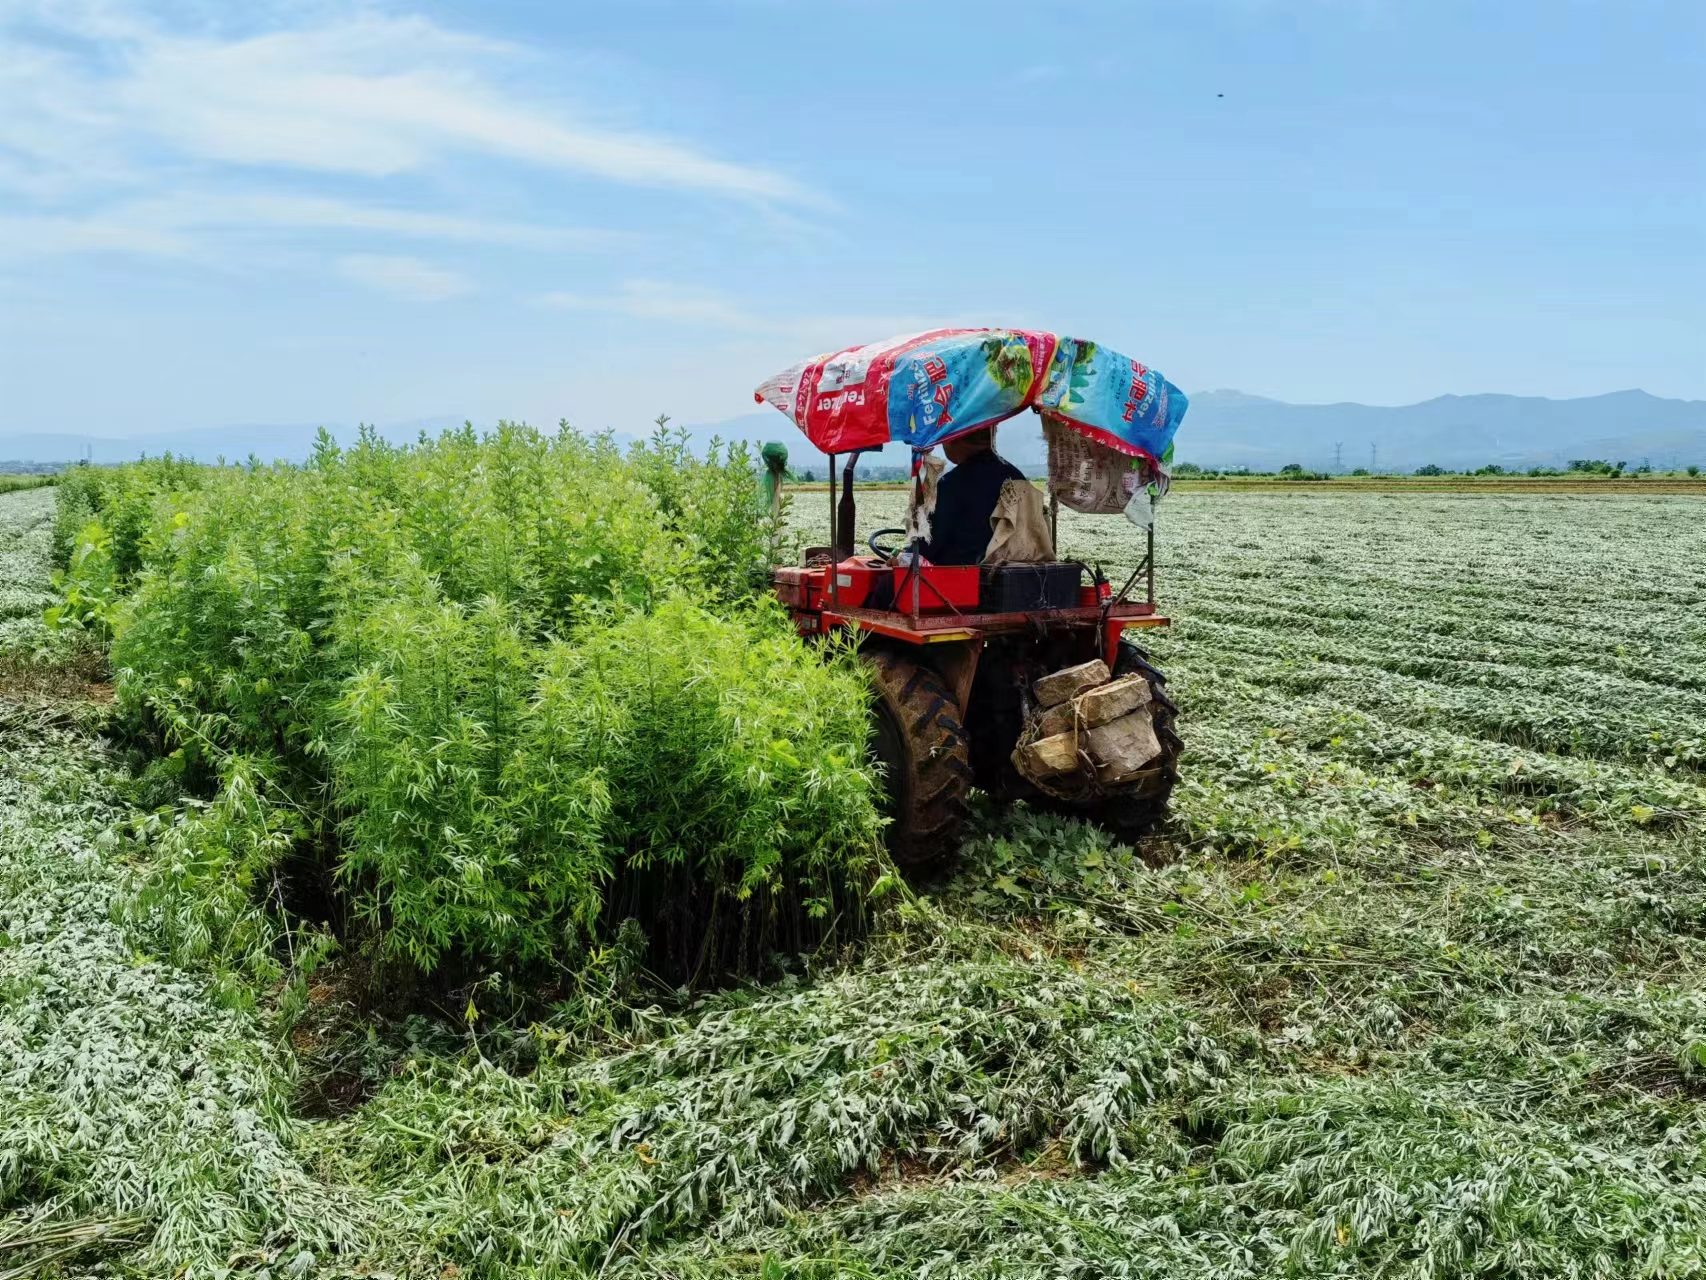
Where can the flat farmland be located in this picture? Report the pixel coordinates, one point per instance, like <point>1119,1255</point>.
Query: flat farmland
<point>1410,985</point>
<point>1436,856</point>
<point>1493,645</point>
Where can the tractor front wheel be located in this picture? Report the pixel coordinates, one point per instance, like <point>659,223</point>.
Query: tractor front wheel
<point>920,743</point>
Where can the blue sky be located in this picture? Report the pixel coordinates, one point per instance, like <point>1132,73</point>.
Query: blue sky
<point>217,213</point>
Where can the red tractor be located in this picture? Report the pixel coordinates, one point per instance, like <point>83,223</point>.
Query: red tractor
<point>1019,679</point>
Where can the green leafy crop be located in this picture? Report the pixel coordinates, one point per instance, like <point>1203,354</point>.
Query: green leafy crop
<point>506,690</point>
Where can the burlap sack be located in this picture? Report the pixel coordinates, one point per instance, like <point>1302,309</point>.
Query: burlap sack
<point>1019,527</point>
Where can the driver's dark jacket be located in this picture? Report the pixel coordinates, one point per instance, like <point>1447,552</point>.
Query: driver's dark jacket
<point>965,499</point>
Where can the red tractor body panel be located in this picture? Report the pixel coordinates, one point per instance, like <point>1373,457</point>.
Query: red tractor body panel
<point>867,595</point>
<point>861,580</point>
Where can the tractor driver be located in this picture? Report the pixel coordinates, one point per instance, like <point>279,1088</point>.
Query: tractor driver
<point>966,498</point>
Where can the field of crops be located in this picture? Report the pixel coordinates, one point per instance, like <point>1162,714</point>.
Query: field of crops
<point>13,483</point>
<point>1411,986</point>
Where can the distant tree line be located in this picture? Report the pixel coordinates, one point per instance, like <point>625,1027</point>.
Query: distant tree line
<point>1291,471</point>
<point>1577,466</point>
<point>1296,471</point>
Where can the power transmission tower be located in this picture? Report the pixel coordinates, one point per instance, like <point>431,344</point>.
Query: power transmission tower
<point>1373,456</point>
<point>1338,456</point>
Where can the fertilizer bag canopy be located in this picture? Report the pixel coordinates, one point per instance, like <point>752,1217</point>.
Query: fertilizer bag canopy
<point>924,388</point>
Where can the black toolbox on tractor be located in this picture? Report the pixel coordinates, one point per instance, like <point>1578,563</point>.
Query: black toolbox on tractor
<point>1020,588</point>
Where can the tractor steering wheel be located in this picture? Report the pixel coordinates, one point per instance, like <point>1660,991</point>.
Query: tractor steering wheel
<point>880,551</point>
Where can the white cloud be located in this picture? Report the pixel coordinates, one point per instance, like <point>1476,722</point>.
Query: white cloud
<point>661,301</point>
<point>325,126</point>
<point>364,95</point>
<point>311,212</point>
<point>27,238</point>
<point>175,227</point>
<point>407,278</point>
<point>377,97</point>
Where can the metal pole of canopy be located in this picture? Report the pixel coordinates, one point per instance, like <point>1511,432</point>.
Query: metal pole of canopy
<point>831,502</point>
<point>834,541</point>
<point>916,543</point>
<point>1149,558</point>
<point>846,519</point>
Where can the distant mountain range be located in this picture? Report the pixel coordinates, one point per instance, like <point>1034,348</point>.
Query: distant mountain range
<point>1222,429</point>
<point>1231,429</point>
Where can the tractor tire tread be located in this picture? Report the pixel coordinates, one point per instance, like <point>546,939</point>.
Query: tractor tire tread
<point>928,804</point>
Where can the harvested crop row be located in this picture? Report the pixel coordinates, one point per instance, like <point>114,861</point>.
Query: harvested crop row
<point>1499,641</point>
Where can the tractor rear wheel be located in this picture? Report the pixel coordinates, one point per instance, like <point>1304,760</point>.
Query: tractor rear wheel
<point>918,739</point>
